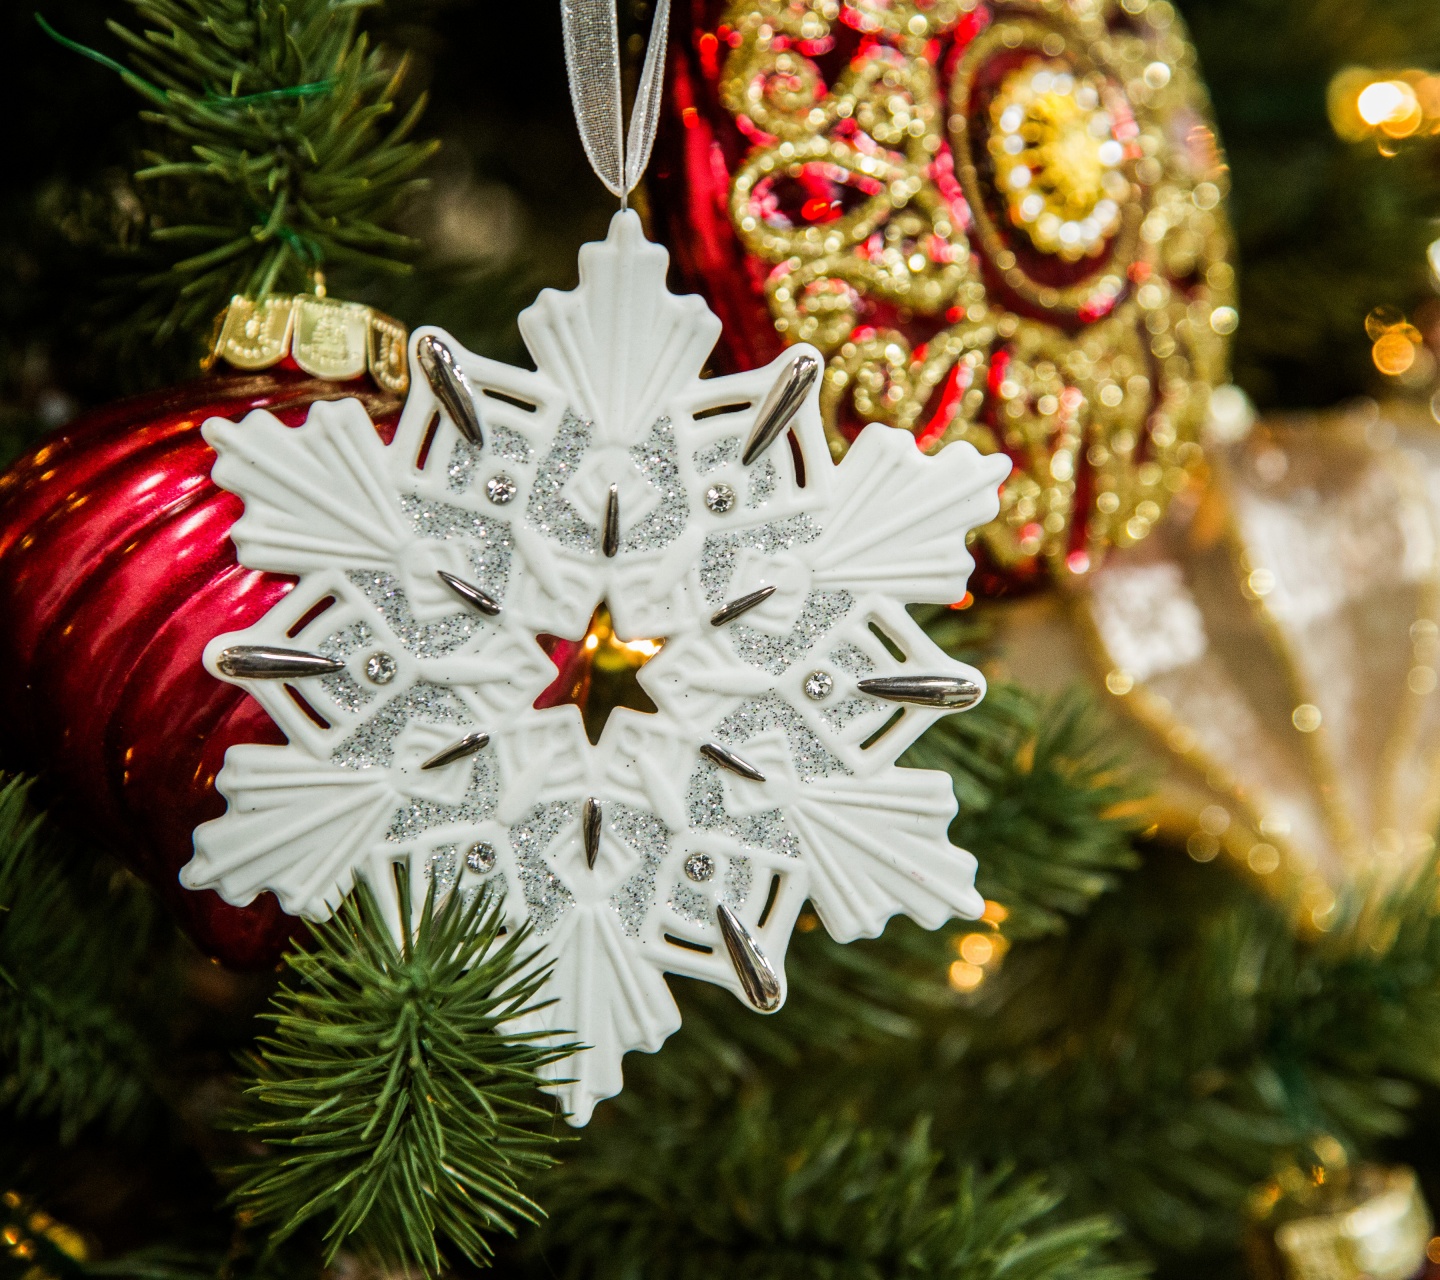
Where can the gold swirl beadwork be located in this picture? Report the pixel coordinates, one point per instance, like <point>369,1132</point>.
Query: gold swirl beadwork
<point>1094,373</point>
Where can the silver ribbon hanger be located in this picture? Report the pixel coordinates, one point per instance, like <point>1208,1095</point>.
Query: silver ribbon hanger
<point>592,57</point>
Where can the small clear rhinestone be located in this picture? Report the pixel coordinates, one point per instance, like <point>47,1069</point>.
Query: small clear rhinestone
<point>380,668</point>
<point>500,489</point>
<point>699,867</point>
<point>719,498</point>
<point>818,685</point>
<point>480,857</point>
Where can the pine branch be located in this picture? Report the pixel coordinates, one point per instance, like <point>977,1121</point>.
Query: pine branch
<point>275,153</point>
<point>1049,803</point>
<point>1185,1042</point>
<point>73,955</point>
<point>754,1195</point>
<point>393,1104</point>
<point>1049,794</point>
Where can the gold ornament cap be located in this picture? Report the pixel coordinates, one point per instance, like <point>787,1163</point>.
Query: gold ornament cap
<point>1369,1224</point>
<point>326,337</point>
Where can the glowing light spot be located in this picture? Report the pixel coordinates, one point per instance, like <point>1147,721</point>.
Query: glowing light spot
<point>1263,859</point>
<point>1382,101</point>
<point>976,948</point>
<point>965,976</point>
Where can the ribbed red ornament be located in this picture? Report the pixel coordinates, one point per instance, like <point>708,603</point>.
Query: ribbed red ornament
<point>116,569</point>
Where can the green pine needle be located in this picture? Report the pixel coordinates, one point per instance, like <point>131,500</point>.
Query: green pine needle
<point>276,154</point>
<point>73,943</point>
<point>765,1194</point>
<point>1050,796</point>
<point>392,1103</point>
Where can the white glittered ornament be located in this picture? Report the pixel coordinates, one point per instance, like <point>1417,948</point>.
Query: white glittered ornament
<point>787,675</point>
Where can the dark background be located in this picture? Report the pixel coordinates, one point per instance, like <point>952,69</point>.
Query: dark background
<point>1326,230</point>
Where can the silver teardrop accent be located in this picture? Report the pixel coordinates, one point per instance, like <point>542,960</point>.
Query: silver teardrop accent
<point>261,662</point>
<point>729,760</point>
<point>780,405</point>
<point>467,746</point>
<point>757,977</point>
<point>925,691</point>
<point>610,535</point>
<point>470,593</point>
<point>451,387</point>
<point>743,604</point>
<point>590,826</point>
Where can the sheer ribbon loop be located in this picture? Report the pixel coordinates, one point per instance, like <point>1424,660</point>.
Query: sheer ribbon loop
<point>592,58</point>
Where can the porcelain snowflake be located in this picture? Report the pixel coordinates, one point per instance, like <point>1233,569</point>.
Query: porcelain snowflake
<point>771,585</point>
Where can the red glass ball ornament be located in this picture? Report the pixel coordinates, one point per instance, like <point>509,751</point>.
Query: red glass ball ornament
<point>116,569</point>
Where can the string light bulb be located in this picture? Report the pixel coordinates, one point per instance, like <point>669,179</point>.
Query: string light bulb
<point>1383,107</point>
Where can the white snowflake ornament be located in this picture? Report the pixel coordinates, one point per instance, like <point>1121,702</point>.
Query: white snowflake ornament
<point>769,584</point>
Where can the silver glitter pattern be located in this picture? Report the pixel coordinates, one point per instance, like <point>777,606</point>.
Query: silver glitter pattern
<point>547,508</point>
<point>443,867</point>
<point>345,691</point>
<point>763,479</point>
<point>852,660</point>
<point>776,654</point>
<point>842,713</point>
<point>756,715</point>
<point>508,444</point>
<point>372,744</point>
<point>416,816</point>
<point>488,544</point>
<point>689,903</point>
<point>657,460</point>
<point>495,884</point>
<point>739,876</point>
<point>718,555</point>
<point>699,906</point>
<point>650,838</point>
<point>546,896</point>
<point>707,812</point>
<point>715,456</point>
<point>465,460</point>
<point>423,639</point>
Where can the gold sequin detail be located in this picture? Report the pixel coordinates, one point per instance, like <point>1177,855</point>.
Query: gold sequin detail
<point>883,196</point>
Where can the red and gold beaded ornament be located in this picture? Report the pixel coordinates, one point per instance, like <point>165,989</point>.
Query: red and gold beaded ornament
<point>1000,223</point>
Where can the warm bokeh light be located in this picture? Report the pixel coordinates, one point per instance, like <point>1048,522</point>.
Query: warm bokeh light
<point>1385,101</point>
<point>1394,353</point>
<point>976,948</point>
<point>965,976</point>
<point>1384,107</point>
<point>995,913</point>
<point>1398,344</point>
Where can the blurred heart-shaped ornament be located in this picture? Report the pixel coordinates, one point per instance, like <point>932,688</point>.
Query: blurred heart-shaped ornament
<point>116,569</point>
<point>1000,223</point>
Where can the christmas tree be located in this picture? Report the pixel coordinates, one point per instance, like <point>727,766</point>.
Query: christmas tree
<point>1140,1060</point>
